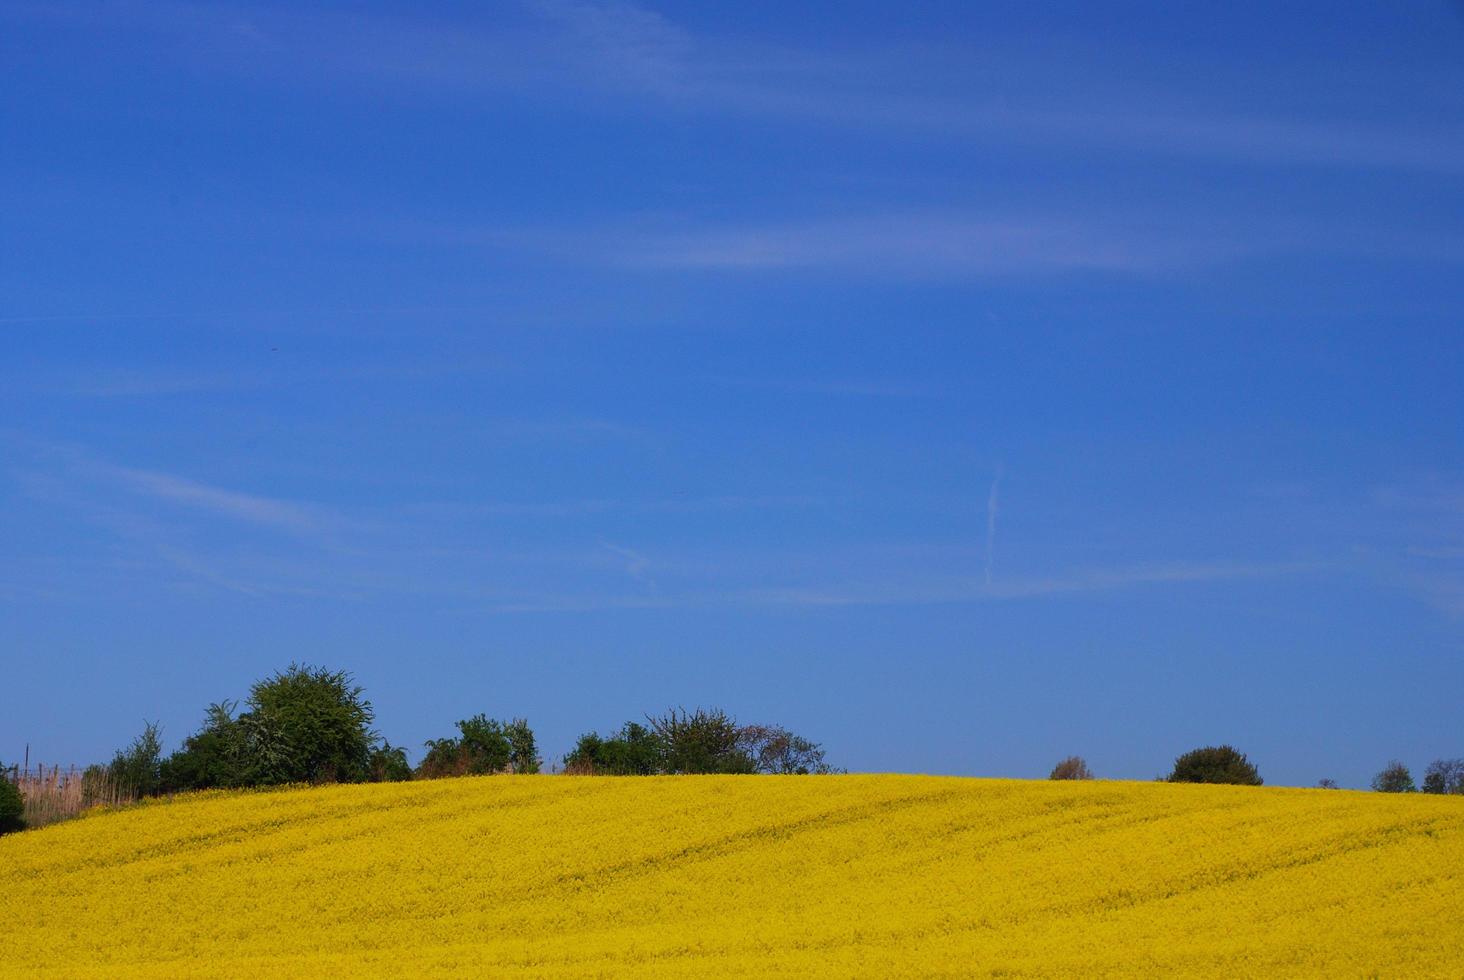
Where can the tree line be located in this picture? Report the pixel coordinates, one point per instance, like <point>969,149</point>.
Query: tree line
<point>1226,764</point>
<point>314,725</point>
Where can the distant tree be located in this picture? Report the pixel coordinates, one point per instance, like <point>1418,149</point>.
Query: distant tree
<point>523,754</point>
<point>137,769</point>
<point>214,756</point>
<point>1327,784</point>
<point>1215,764</point>
<point>307,724</point>
<point>777,751</point>
<point>12,805</point>
<point>635,750</point>
<point>389,764</point>
<point>483,745</point>
<point>702,741</point>
<point>1444,776</point>
<point>1073,767</point>
<point>1395,778</point>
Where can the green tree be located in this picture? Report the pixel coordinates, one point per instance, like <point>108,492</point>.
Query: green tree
<point>214,756</point>
<point>633,751</point>
<point>483,745</point>
<point>701,741</point>
<point>12,805</point>
<point>307,725</point>
<point>1215,764</point>
<point>137,769</point>
<point>1073,767</point>
<point>389,764</point>
<point>523,754</point>
<point>1394,778</point>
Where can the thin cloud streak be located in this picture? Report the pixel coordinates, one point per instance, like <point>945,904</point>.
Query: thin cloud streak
<point>233,504</point>
<point>951,591</point>
<point>622,50</point>
<point>991,508</point>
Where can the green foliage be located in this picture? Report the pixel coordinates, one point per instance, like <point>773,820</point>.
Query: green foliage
<point>307,724</point>
<point>215,756</point>
<point>483,745</point>
<point>389,764</point>
<point>775,750</point>
<point>1395,778</point>
<point>12,806</point>
<point>633,751</point>
<point>703,741</point>
<point>1215,764</point>
<point>1073,767</point>
<point>1444,776</point>
<point>523,754</point>
<point>137,769</point>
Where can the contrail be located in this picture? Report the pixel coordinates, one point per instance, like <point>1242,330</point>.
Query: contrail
<point>991,505</point>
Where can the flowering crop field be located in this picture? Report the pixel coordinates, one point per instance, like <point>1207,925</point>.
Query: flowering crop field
<point>743,876</point>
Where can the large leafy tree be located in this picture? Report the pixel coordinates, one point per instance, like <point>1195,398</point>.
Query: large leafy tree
<point>307,725</point>
<point>1215,764</point>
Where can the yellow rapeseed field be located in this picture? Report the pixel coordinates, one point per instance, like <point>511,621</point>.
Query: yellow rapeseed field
<point>708,876</point>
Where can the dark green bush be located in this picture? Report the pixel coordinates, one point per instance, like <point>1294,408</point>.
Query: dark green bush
<point>701,741</point>
<point>307,725</point>
<point>12,806</point>
<point>633,751</point>
<point>213,757</point>
<point>1395,778</point>
<point>483,745</point>
<point>389,764</point>
<point>1215,764</point>
<point>137,769</point>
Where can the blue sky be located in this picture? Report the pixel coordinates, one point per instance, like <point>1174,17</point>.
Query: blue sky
<point>961,386</point>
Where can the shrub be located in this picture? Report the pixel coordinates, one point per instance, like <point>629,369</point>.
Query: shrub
<point>703,741</point>
<point>1327,784</point>
<point>12,805</point>
<point>633,751</point>
<point>482,746</point>
<point>1444,776</point>
<point>307,724</point>
<point>1073,767</point>
<point>215,756</point>
<point>137,769</point>
<point>1215,764</point>
<point>389,764</point>
<point>523,754</point>
<point>1395,778</point>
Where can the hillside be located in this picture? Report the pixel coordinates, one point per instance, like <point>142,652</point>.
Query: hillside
<point>716,876</point>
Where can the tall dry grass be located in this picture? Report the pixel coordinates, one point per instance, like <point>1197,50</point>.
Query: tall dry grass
<point>52,794</point>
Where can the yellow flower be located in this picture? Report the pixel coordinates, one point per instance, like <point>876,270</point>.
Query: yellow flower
<point>698,876</point>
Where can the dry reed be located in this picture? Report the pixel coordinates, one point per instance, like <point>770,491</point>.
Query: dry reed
<point>52,794</point>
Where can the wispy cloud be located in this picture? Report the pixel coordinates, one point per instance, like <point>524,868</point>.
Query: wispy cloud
<point>922,592</point>
<point>251,508</point>
<point>622,50</point>
<point>637,565</point>
<point>991,509</point>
